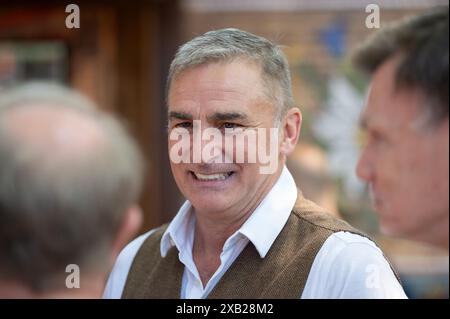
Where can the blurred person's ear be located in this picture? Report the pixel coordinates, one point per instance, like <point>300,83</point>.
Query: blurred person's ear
<point>291,131</point>
<point>130,225</point>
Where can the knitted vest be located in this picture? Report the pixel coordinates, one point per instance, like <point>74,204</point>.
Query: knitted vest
<point>281,274</point>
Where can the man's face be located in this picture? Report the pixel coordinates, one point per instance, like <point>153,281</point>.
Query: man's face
<point>405,161</point>
<point>222,96</point>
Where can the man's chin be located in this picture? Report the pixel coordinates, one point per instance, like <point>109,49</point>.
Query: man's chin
<point>387,229</point>
<point>391,228</point>
<point>210,205</point>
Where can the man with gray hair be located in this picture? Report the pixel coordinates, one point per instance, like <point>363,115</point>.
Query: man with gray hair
<point>70,178</point>
<point>244,232</point>
<point>406,158</point>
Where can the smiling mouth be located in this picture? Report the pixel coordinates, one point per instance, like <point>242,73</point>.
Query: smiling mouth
<point>212,177</point>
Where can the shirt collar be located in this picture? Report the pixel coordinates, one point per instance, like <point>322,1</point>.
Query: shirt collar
<point>262,228</point>
<point>179,230</point>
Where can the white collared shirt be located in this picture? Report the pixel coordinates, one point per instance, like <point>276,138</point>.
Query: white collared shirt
<point>346,266</point>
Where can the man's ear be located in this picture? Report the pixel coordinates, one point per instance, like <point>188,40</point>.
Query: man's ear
<point>131,222</point>
<point>291,131</point>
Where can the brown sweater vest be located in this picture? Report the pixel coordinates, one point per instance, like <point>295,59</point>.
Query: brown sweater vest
<point>281,274</point>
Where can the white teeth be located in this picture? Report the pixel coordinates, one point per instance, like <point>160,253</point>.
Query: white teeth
<point>212,177</point>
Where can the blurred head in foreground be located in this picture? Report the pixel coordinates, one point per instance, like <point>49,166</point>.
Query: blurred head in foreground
<point>70,178</point>
<point>406,158</point>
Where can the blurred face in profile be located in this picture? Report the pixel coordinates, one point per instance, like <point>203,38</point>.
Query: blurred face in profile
<point>405,161</point>
<point>228,95</point>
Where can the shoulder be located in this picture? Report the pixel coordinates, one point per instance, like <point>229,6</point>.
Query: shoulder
<point>119,273</point>
<point>311,215</point>
<point>351,266</point>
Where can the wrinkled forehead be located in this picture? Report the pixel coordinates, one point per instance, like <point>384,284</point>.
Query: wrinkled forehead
<point>218,80</point>
<point>234,87</point>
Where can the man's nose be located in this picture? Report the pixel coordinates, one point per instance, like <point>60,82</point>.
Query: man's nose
<point>211,145</point>
<point>364,168</point>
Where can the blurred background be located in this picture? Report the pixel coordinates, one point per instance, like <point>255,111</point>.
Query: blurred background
<point>120,56</point>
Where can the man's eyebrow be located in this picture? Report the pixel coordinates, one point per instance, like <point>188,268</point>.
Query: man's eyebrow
<point>363,123</point>
<point>179,116</point>
<point>228,116</point>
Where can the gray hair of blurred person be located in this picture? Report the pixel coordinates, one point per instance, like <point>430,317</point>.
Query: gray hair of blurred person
<point>59,212</point>
<point>226,45</point>
<point>422,42</point>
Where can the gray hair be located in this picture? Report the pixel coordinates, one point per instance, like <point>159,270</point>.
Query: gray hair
<point>55,210</point>
<point>226,45</point>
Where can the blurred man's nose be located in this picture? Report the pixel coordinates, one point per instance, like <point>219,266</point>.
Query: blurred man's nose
<point>363,168</point>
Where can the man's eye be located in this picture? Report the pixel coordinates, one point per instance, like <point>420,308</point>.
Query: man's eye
<point>230,125</point>
<point>378,139</point>
<point>184,125</point>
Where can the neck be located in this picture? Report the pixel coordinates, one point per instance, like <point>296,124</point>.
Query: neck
<point>211,234</point>
<point>209,239</point>
<point>436,234</point>
<point>439,236</point>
